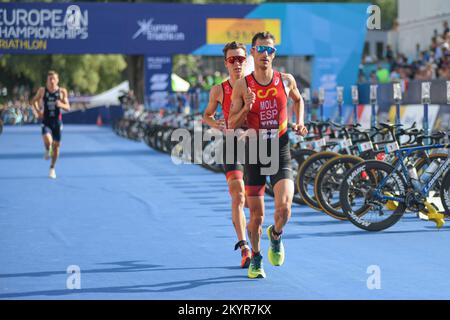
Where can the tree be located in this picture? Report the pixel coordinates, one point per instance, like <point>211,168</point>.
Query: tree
<point>87,74</point>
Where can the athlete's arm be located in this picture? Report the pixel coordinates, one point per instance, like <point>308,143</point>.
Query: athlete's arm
<point>242,101</point>
<point>298,106</point>
<point>36,101</point>
<point>63,103</point>
<point>210,111</point>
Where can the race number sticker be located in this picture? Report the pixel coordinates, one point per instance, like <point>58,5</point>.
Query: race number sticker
<point>366,146</point>
<point>345,143</point>
<point>318,144</point>
<point>391,147</point>
<point>295,138</point>
<point>307,145</point>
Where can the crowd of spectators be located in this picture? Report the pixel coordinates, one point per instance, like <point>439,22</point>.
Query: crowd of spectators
<point>15,107</point>
<point>429,64</point>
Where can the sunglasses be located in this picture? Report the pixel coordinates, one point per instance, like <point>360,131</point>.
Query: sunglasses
<point>232,60</point>
<point>262,49</point>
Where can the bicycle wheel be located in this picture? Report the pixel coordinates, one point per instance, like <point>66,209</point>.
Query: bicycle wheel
<point>209,156</point>
<point>298,157</point>
<point>306,176</point>
<point>366,208</point>
<point>328,182</point>
<point>445,194</point>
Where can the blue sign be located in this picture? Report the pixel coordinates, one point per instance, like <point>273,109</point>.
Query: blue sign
<point>332,34</point>
<point>42,28</point>
<point>158,83</point>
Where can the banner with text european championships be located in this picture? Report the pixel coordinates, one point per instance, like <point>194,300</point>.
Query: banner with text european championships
<point>333,34</point>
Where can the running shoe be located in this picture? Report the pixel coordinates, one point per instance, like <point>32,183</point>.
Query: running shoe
<point>52,173</point>
<point>276,249</point>
<point>255,269</point>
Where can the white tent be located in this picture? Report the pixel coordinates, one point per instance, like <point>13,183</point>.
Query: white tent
<point>179,84</point>
<point>110,97</point>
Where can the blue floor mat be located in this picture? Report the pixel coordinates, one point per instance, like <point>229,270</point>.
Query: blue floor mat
<point>140,227</point>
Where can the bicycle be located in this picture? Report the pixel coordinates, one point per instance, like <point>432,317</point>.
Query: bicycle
<point>375,194</point>
<point>330,176</point>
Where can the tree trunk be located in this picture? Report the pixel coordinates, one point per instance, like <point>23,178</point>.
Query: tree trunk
<point>135,72</point>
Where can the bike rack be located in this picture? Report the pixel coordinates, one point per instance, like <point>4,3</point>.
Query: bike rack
<point>373,103</point>
<point>321,101</point>
<point>340,101</point>
<point>307,99</point>
<point>426,100</point>
<point>397,99</point>
<point>448,102</point>
<point>355,100</point>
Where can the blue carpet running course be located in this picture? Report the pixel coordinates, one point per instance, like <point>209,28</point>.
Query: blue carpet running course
<point>140,227</point>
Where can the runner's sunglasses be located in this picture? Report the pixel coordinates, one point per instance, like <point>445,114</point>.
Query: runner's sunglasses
<point>262,49</point>
<point>239,59</point>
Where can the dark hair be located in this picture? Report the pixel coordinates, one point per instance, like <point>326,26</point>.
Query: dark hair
<point>52,73</point>
<point>232,46</point>
<point>262,35</point>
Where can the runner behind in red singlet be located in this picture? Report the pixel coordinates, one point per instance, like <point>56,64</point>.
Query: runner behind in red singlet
<point>235,59</point>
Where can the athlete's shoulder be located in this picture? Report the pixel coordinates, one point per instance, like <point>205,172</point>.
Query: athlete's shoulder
<point>240,83</point>
<point>288,80</point>
<point>41,91</point>
<point>215,92</point>
<point>287,77</point>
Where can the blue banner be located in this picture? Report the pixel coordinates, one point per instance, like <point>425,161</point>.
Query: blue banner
<point>332,34</point>
<point>158,83</point>
<point>72,28</point>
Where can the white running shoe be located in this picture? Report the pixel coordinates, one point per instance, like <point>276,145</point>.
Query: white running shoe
<point>52,173</point>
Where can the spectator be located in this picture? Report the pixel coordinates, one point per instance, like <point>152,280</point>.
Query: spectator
<point>373,77</point>
<point>389,54</point>
<point>382,74</point>
<point>395,75</point>
<point>361,75</point>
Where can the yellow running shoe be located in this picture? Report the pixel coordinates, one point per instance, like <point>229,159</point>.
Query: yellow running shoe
<point>255,269</point>
<point>434,215</point>
<point>276,249</point>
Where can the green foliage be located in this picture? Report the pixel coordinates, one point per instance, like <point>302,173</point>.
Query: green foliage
<point>88,74</point>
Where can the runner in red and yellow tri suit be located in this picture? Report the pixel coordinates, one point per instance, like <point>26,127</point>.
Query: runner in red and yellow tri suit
<point>266,114</point>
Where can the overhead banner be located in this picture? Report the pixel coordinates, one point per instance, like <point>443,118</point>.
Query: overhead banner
<point>158,81</point>
<point>42,28</point>
<point>221,31</point>
<point>332,34</point>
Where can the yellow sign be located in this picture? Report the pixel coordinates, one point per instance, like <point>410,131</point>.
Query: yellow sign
<point>26,44</point>
<point>221,31</point>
